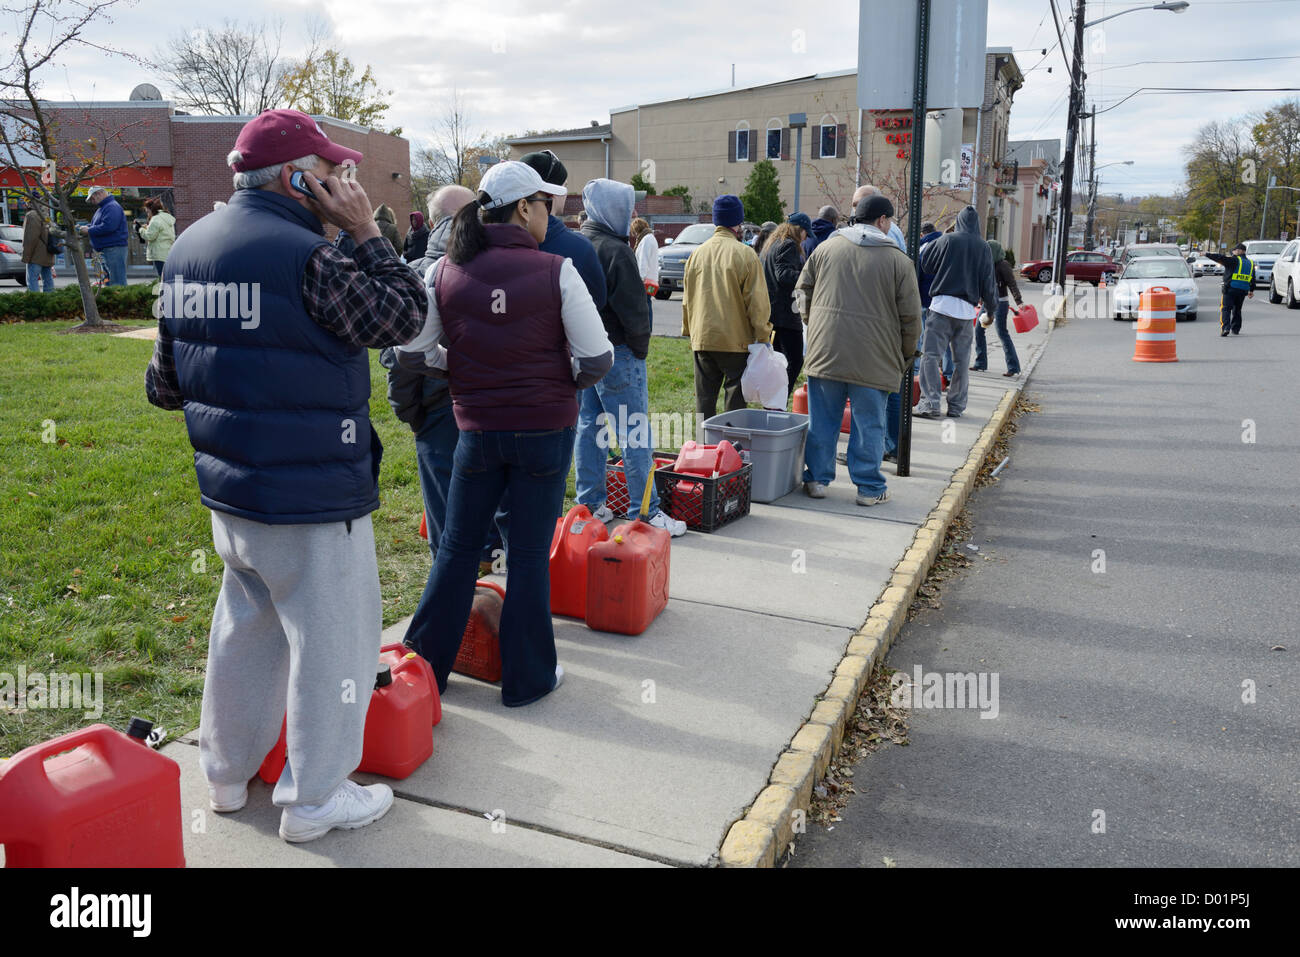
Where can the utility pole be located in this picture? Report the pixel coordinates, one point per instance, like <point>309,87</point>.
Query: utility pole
<point>1092,191</point>
<point>1222,215</point>
<point>1072,132</point>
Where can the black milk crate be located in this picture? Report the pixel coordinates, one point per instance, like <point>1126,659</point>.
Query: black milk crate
<point>617,499</point>
<point>707,504</point>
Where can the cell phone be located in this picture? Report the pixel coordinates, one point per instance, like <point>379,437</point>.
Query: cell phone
<point>299,182</point>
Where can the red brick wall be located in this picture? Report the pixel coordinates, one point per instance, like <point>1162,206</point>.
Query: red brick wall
<point>120,134</point>
<point>201,176</point>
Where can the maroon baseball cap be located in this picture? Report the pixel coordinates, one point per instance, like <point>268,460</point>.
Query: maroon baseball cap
<point>278,136</point>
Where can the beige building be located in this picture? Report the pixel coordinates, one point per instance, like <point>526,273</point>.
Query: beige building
<point>709,143</point>
<point>1026,197</point>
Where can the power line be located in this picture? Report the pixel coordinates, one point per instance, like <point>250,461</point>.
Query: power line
<point>1240,59</point>
<point>1224,89</point>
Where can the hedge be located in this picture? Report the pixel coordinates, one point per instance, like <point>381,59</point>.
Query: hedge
<point>115,302</point>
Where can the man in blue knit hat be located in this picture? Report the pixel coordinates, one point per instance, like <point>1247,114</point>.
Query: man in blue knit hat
<point>725,308</point>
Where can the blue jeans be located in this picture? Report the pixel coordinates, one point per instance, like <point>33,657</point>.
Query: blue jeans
<point>866,434</point>
<point>115,263</point>
<point>530,466</point>
<point>624,396</point>
<point>43,275</point>
<point>1008,347</point>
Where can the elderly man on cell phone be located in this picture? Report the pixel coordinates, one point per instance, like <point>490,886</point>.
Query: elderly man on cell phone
<point>262,338</point>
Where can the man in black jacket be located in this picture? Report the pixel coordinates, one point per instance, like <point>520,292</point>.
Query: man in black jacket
<point>962,266</point>
<point>1238,286</point>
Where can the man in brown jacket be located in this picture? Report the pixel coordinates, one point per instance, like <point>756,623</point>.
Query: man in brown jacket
<point>39,260</point>
<point>863,310</point>
<point>724,309</point>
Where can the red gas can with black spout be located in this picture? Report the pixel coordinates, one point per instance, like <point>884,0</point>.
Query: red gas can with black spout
<point>627,579</point>
<point>574,535</point>
<point>92,798</point>
<point>404,707</point>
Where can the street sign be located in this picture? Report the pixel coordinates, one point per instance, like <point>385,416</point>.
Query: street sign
<point>887,54</point>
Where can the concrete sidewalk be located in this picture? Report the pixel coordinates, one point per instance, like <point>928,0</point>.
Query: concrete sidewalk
<point>656,743</point>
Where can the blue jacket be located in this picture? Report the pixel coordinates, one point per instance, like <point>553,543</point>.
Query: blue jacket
<point>563,241</point>
<point>926,278</point>
<point>822,230</point>
<point>108,225</point>
<point>277,407</point>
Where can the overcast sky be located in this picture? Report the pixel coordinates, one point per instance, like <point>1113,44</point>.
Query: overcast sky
<point>524,65</point>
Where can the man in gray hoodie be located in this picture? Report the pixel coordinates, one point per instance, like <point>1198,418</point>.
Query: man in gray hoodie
<point>623,395</point>
<point>962,266</point>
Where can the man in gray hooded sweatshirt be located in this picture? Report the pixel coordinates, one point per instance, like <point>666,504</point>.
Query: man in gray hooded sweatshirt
<point>624,393</point>
<point>859,298</point>
<point>962,266</point>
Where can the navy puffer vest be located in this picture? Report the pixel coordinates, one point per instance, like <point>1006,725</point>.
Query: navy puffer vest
<point>507,356</point>
<point>277,407</point>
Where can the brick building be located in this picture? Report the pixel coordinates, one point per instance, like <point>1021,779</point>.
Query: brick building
<point>182,159</point>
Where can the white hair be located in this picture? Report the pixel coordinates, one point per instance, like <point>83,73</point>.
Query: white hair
<point>253,178</point>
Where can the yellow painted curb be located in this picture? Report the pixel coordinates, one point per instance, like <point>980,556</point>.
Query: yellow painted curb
<point>760,838</point>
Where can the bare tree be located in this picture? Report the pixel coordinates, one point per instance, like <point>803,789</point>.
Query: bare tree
<point>32,132</point>
<point>235,70</point>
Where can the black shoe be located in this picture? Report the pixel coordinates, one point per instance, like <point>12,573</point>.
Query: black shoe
<point>1224,333</point>
<point>979,369</point>
<point>953,415</point>
<point>890,457</point>
<point>1236,332</point>
<point>926,415</point>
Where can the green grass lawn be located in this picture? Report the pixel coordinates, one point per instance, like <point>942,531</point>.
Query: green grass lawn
<point>106,558</point>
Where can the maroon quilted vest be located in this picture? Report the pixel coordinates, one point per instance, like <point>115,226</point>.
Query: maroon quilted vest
<point>508,358</point>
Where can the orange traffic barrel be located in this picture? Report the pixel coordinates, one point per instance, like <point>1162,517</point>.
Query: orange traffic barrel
<point>1157,318</point>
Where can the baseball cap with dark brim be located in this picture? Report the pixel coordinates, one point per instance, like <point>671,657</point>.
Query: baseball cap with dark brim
<point>278,136</point>
<point>512,181</point>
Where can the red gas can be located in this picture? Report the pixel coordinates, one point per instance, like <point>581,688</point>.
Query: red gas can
<point>574,534</point>
<point>916,386</point>
<point>480,648</point>
<point>404,707</point>
<point>709,460</point>
<point>92,798</point>
<point>273,763</point>
<point>627,579</point>
<point>800,405</point>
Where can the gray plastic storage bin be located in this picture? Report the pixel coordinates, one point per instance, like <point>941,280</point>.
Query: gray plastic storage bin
<point>775,442</point>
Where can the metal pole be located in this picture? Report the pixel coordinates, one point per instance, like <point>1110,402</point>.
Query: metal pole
<point>904,464</point>
<point>1072,129</point>
<point>798,164</point>
<point>1222,216</point>
<point>1264,219</point>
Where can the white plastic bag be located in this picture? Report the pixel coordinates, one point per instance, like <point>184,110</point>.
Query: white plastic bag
<point>764,380</point>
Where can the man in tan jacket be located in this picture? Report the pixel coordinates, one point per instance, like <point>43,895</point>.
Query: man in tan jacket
<point>862,306</point>
<point>725,309</point>
<point>37,256</point>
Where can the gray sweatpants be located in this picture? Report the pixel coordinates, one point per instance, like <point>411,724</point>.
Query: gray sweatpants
<point>941,332</point>
<point>296,625</point>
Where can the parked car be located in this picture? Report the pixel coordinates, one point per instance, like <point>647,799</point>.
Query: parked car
<point>1078,265</point>
<point>1140,250</point>
<point>1286,276</point>
<point>1201,266</point>
<point>1148,272</point>
<point>672,257</point>
<point>1263,253</point>
<point>11,255</point>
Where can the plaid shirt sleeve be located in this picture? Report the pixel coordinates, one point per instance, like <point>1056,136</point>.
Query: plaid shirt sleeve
<point>370,300</point>
<point>161,386</point>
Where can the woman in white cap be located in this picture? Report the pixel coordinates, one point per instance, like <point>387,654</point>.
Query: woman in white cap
<point>522,337</point>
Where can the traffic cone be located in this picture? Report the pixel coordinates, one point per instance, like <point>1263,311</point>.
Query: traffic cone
<point>1157,320</point>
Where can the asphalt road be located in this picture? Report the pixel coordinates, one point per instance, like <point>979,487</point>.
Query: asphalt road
<point>1120,690</point>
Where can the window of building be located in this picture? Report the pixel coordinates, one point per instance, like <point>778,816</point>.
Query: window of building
<point>828,139</point>
<point>742,142</point>
<point>774,150</point>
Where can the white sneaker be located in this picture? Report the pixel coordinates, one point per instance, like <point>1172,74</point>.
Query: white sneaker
<point>225,798</point>
<point>842,458</point>
<point>870,500</point>
<point>814,489</point>
<point>603,514</point>
<point>559,676</point>
<point>665,521</point>
<point>349,807</point>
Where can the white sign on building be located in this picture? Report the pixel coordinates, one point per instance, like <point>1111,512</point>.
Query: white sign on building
<point>887,53</point>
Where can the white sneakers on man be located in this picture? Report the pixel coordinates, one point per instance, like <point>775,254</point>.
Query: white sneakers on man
<point>671,525</point>
<point>349,807</point>
<point>225,798</point>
